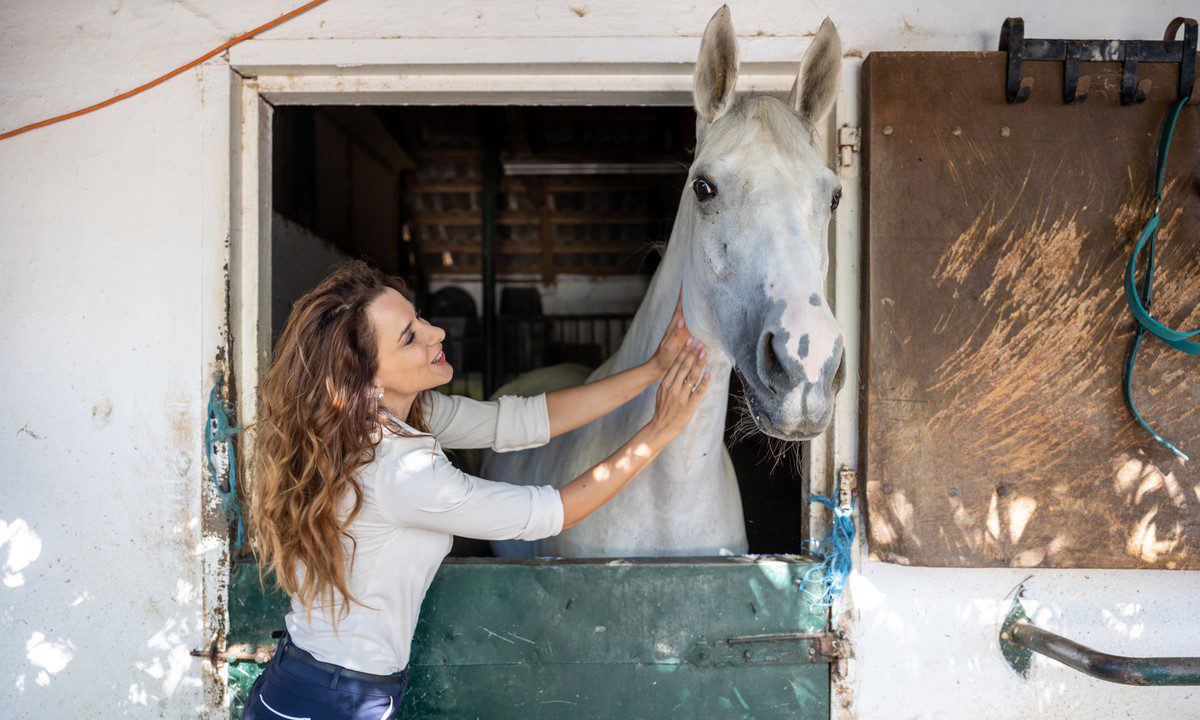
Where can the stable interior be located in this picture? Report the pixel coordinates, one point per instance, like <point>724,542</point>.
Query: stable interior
<point>580,197</point>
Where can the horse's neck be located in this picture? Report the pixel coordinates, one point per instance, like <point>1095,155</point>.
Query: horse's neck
<point>644,334</point>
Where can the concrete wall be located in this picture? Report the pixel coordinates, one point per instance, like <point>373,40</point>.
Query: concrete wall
<point>112,286</point>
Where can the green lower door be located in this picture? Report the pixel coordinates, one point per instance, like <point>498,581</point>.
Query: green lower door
<point>575,639</point>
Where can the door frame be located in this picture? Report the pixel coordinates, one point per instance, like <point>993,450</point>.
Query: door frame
<point>557,71</point>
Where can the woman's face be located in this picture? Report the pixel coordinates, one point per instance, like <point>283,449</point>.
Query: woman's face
<point>410,349</point>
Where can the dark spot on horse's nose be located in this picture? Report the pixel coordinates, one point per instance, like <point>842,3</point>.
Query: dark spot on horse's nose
<point>814,299</point>
<point>804,345</point>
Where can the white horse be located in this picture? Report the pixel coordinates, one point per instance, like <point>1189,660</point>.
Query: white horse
<point>749,248</point>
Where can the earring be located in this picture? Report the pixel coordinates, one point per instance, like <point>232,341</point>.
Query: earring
<point>380,396</point>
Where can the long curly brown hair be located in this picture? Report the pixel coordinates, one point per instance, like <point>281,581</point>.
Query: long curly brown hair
<point>320,424</point>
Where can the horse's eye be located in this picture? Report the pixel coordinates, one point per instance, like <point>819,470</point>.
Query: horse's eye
<point>837,198</point>
<point>704,189</point>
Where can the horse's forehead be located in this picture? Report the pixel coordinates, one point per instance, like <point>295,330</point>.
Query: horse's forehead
<point>767,146</point>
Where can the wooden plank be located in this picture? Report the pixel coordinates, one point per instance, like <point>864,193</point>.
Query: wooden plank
<point>639,184</point>
<point>629,183</point>
<point>566,692</point>
<point>510,248</point>
<point>581,638</point>
<point>504,268</point>
<point>995,328</point>
<point>532,218</point>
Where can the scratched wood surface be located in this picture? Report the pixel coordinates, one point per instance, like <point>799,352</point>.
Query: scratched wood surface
<point>996,330</point>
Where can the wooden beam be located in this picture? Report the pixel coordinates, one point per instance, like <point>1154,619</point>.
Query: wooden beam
<point>512,218</point>
<point>523,250</point>
<point>369,133</point>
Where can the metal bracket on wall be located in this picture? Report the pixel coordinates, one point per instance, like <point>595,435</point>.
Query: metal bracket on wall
<point>784,649</point>
<point>1020,639</point>
<point>1073,52</point>
<point>849,143</point>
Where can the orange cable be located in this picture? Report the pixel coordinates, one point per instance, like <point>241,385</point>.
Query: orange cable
<point>220,49</point>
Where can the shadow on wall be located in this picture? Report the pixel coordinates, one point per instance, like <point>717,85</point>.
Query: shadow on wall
<point>161,666</point>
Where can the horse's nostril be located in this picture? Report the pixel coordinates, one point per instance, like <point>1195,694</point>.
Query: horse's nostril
<point>772,367</point>
<point>839,376</point>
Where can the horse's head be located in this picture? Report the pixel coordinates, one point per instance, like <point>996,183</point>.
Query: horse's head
<point>759,202</point>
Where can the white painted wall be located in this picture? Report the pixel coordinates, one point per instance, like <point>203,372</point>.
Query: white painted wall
<point>112,282</point>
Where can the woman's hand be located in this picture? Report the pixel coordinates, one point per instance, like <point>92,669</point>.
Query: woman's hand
<point>679,392</point>
<point>678,397</point>
<point>673,339</point>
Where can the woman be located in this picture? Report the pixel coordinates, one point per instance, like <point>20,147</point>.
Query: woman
<point>354,504</point>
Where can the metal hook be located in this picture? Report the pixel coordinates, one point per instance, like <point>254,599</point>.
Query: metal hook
<point>1073,53</point>
<point>1075,88</point>
<point>1133,91</point>
<point>1012,41</point>
<point>1187,63</point>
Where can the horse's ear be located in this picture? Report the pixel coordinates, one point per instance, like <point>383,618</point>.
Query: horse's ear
<point>816,86</point>
<point>716,67</point>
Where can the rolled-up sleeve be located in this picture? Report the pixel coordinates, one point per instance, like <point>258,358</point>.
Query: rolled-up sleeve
<point>510,422</point>
<point>418,486</point>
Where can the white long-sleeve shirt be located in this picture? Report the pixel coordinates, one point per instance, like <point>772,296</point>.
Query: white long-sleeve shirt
<point>414,502</point>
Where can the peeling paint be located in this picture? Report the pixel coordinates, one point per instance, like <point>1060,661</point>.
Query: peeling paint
<point>24,429</point>
<point>101,412</point>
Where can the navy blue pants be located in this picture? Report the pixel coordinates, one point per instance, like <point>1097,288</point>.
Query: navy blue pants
<point>293,687</point>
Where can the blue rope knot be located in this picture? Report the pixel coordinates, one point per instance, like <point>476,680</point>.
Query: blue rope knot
<point>832,572</point>
<point>219,434</point>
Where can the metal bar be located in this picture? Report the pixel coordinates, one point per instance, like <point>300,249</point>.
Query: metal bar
<point>777,649</point>
<point>490,165</point>
<point>1072,53</point>
<point>260,654</point>
<point>1101,50</point>
<point>1020,638</point>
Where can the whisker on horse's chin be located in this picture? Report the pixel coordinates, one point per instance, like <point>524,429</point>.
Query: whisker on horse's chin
<point>788,453</point>
<point>743,426</point>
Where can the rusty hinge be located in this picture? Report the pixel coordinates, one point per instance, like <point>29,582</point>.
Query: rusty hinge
<point>779,649</point>
<point>849,142</point>
<point>847,481</point>
<point>216,655</point>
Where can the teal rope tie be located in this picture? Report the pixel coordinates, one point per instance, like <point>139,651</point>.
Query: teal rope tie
<point>219,436</point>
<point>832,572</point>
<point>1139,304</point>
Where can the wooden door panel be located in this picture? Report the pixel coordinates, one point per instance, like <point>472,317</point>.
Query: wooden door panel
<point>995,431</point>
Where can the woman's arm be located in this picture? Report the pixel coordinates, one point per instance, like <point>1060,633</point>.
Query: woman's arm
<point>570,408</point>
<point>419,487</point>
<point>678,396</point>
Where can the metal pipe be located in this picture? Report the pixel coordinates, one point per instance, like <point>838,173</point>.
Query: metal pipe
<point>1113,668</point>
